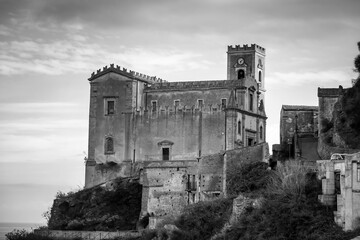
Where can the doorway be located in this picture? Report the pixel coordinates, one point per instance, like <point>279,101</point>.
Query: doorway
<point>166,154</point>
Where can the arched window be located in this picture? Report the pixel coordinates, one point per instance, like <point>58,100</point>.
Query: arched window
<point>261,132</point>
<point>109,145</point>
<point>241,74</point>
<point>260,77</point>
<point>251,101</point>
<point>239,127</point>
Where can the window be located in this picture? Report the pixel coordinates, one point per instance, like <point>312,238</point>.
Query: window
<point>177,103</point>
<point>239,127</point>
<point>191,184</point>
<point>241,74</point>
<point>153,106</point>
<point>260,77</point>
<point>223,103</point>
<point>200,103</point>
<point>358,172</point>
<point>250,142</point>
<point>109,106</point>
<point>251,101</point>
<point>109,145</point>
<point>261,132</point>
<point>166,154</point>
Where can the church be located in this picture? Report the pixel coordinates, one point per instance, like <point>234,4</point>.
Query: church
<point>160,131</point>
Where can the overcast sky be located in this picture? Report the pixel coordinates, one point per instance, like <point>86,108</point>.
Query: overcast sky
<point>48,49</point>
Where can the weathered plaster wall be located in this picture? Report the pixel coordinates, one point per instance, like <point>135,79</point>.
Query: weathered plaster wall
<point>192,134</point>
<point>164,187</point>
<point>117,125</point>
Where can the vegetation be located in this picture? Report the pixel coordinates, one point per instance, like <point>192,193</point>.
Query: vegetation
<point>25,235</point>
<point>289,210</point>
<point>346,115</point>
<point>247,178</point>
<point>110,208</point>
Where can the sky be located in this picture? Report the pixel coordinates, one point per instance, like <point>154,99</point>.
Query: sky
<point>49,48</point>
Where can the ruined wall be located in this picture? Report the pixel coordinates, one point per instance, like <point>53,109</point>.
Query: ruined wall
<point>101,173</point>
<point>165,187</point>
<point>298,128</point>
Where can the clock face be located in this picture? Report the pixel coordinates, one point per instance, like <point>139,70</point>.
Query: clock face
<point>240,61</point>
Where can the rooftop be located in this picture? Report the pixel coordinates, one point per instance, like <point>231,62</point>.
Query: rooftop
<point>299,108</point>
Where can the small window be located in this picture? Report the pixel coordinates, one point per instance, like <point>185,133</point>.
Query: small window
<point>177,103</point>
<point>200,103</point>
<point>191,184</point>
<point>251,101</point>
<point>109,106</point>
<point>109,145</point>
<point>261,132</point>
<point>358,172</point>
<point>239,127</point>
<point>260,77</point>
<point>153,106</point>
<point>223,103</point>
<point>166,154</point>
<point>241,74</point>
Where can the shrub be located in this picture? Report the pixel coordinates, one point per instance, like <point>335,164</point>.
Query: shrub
<point>25,235</point>
<point>203,219</point>
<point>290,210</point>
<point>247,178</point>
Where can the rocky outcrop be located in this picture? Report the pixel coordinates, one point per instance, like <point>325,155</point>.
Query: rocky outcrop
<point>112,206</point>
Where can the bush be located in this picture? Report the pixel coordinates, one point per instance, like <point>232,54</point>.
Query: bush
<point>25,235</point>
<point>203,219</point>
<point>290,210</point>
<point>247,178</point>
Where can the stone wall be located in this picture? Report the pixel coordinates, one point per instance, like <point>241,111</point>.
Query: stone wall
<point>93,235</point>
<point>165,187</point>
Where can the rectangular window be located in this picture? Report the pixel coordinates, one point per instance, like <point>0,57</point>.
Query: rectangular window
<point>358,172</point>
<point>251,101</point>
<point>109,106</point>
<point>223,103</point>
<point>191,184</point>
<point>166,154</point>
<point>153,106</point>
<point>200,103</point>
<point>177,103</point>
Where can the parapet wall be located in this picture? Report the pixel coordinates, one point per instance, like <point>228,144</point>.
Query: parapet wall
<point>329,92</point>
<point>124,71</point>
<point>245,47</point>
<point>189,85</point>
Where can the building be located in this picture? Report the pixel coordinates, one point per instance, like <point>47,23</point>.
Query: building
<point>176,135</point>
<point>341,188</point>
<point>299,131</point>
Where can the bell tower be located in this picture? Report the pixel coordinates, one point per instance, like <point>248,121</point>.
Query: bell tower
<point>247,61</point>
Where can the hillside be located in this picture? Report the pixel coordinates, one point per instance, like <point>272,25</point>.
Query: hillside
<point>271,205</point>
<point>115,206</point>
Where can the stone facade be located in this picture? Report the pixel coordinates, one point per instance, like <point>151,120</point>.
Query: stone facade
<point>341,188</point>
<point>298,133</point>
<point>174,135</point>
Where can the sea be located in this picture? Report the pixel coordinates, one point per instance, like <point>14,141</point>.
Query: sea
<point>9,227</point>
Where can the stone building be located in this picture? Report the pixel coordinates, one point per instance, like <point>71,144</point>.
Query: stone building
<point>166,132</point>
<point>341,188</point>
<point>299,131</point>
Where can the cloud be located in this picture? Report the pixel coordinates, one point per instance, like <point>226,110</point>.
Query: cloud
<point>37,107</point>
<point>305,78</point>
<point>76,56</point>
